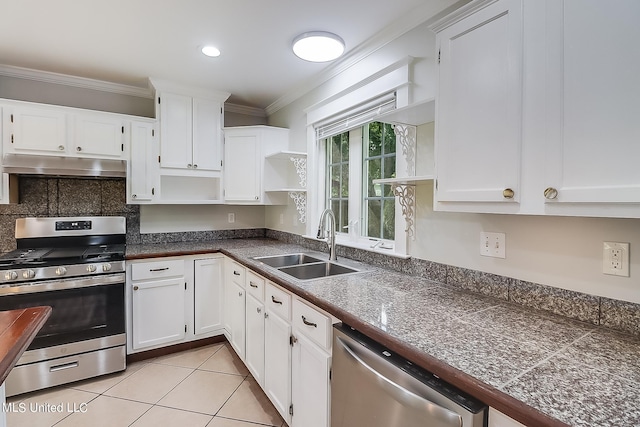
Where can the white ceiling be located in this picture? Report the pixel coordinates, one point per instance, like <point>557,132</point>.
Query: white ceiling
<point>127,41</point>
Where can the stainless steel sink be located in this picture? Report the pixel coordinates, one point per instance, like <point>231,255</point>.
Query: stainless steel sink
<point>278,261</point>
<point>305,267</point>
<point>317,270</point>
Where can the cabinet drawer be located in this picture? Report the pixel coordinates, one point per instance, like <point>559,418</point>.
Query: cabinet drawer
<point>312,323</point>
<point>255,285</point>
<point>236,273</point>
<point>156,269</point>
<point>278,301</point>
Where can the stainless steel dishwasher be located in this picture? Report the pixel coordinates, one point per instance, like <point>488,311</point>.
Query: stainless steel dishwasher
<point>373,387</point>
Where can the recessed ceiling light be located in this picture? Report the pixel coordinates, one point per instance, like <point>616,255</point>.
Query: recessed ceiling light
<point>211,51</point>
<point>318,46</point>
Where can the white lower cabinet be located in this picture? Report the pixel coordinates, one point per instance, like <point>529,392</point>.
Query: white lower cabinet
<point>173,300</point>
<point>310,391</point>
<point>287,346</point>
<point>498,419</point>
<point>234,307</point>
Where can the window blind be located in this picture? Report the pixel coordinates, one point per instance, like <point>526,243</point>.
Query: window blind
<point>356,116</point>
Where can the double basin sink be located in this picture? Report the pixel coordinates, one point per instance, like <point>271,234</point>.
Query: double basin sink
<point>305,267</point>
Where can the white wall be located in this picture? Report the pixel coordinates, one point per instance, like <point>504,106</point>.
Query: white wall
<point>182,218</point>
<point>563,252</point>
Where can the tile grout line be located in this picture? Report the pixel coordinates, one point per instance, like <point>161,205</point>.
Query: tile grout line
<point>543,360</point>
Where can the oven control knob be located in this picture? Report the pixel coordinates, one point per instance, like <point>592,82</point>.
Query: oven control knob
<point>106,267</point>
<point>91,268</point>
<point>61,271</point>
<point>28,274</point>
<point>10,275</point>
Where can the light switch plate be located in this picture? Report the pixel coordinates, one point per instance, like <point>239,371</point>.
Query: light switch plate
<point>493,244</point>
<point>615,259</point>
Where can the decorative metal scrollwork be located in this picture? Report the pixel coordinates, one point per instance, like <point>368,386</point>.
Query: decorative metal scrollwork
<point>406,195</point>
<point>300,199</point>
<point>300,164</point>
<point>406,136</point>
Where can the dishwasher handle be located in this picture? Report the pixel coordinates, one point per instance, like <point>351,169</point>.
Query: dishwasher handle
<point>400,393</point>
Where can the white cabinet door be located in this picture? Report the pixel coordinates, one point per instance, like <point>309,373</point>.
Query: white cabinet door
<point>498,419</point>
<point>310,386</point>
<point>175,131</point>
<point>242,170</point>
<point>36,130</point>
<point>235,317</point>
<point>479,106</point>
<point>208,279</point>
<point>593,109</point>
<point>99,135</point>
<point>255,339</point>
<point>207,135</point>
<point>277,362</point>
<point>158,312</point>
<point>142,163</point>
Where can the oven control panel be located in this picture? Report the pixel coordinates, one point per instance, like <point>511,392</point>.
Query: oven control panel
<point>73,225</point>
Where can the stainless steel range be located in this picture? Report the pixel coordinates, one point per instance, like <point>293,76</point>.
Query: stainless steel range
<point>76,266</point>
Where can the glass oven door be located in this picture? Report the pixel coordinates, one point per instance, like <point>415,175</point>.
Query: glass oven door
<point>82,308</point>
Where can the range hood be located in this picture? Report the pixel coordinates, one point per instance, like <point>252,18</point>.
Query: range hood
<point>23,164</point>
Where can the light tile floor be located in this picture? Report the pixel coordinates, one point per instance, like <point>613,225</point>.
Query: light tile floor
<point>204,387</point>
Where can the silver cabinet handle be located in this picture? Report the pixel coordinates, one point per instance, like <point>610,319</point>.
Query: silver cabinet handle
<point>64,366</point>
<point>306,322</point>
<point>275,301</point>
<point>158,269</point>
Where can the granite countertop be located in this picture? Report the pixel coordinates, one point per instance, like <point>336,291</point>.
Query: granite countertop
<point>538,368</point>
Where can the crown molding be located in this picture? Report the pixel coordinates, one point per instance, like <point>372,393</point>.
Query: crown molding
<point>416,17</point>
<point>75,81</point>
<point>242,109</point>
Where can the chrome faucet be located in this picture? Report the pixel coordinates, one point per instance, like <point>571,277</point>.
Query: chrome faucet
<point>331,240</point>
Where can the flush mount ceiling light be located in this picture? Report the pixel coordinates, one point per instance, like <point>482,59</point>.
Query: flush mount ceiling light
<point>211,51</point>
<point>318,46</point>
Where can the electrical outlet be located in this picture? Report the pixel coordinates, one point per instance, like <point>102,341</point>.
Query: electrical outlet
<point>493,244</point>
<point>231,218</point>
<point>615,259</point>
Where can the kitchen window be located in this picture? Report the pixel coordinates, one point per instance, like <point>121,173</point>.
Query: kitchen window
<point>365,212</point>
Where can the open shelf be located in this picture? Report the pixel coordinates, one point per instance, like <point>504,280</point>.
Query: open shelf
<point>406,180</point>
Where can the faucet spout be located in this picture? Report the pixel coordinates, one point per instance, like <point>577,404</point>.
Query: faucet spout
<point>331,240</point>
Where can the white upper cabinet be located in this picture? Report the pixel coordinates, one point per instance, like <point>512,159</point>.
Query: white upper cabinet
<point>245,151</point>
<point>99,134</point>
<point>35,129</point>
<point>527,121</point>
<point>478,109</point>
<point>142,170</point>
<point>593,144</point>
<point>190,127</point>
<point>50,130</point>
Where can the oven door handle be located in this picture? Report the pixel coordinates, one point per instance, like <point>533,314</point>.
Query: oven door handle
<point>70,283</point>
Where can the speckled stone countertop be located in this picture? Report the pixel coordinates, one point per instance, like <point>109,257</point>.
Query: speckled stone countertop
<point>538,368</point>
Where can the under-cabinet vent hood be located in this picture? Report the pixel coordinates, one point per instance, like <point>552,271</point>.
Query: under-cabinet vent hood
<point>21,164</point>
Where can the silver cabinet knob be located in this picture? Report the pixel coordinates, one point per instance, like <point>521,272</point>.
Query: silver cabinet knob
<point>61,271</point>
<point>78,148</point>
<point>134,196</point>
<point>135,288</point>
<point>550,193</point>
<point>61,147</point>
<point>189,165</point>
<point>28,274</point>
<point>195,166</point>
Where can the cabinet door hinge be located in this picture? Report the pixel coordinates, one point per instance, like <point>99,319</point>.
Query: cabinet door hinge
<point>438,56</point>
<point>158,100</point>
<point>220,163</point>
<point>122,147</point>
<point>153,191</point>
<point>436,184</point>
<point>153,132</point>
<point>292,340</point>
<point>158,159</point>
<point>330,371</point>
<point>123,129</point>
<point>12,138</point>
<point>291,409</point>
<point>12,118</point>
<point>185,286</point>
<point>185,328</point>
